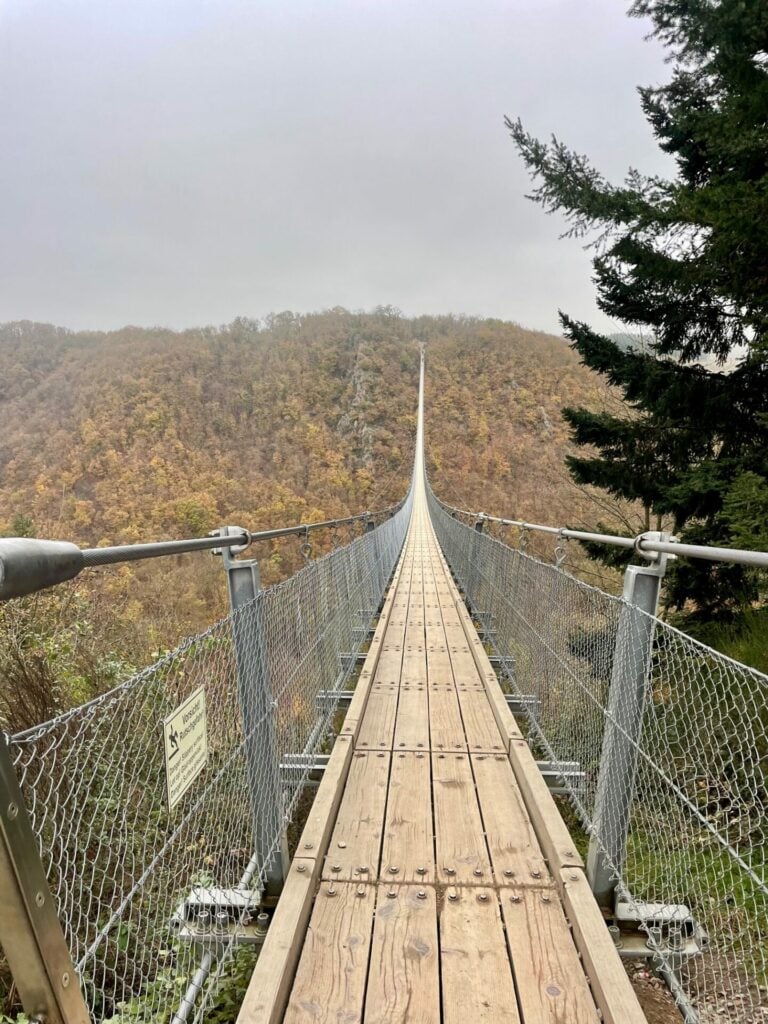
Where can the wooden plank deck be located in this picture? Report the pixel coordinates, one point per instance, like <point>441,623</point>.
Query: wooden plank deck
<point>435,881</point>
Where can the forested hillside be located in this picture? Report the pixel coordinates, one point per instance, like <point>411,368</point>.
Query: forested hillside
<point>496,441</point>
<point>142,434</point>
<point>138,433</point>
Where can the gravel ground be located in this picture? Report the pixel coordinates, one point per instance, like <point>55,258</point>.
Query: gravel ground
<point>718,1007</point>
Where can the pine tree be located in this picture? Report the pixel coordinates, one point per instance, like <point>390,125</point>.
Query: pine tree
<point>687,260</point>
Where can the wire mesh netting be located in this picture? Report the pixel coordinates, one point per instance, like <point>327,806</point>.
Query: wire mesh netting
<point>134,882</point>
<point>698,815</point>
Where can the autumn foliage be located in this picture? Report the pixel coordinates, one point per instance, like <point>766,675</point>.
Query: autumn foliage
<point>142,434</point>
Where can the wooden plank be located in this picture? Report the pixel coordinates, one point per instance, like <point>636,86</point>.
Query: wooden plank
<point>462,857</point>
<point>404,985</point>
<point>551,831</point>
<point>412,724</point>
<point>377,729</point>
<point>316,833</point>
<point>270,983</point>
<point>439,669</point>
<point>371,666</point>
<point>447,605</point>
<point>414,668</point>
<point>412,721</point>
<point>479,723</point>
<point>330,980</point>
<point>390,663</point>
<point>464,664</point>
<point>446,725</point>
<point>480,728</point>
<point>505,720</point>
<point>514,849</point>
<point>353,853</point>
<point>611,987</point>
<point>474,965</point>
<point>268,989</point>
<point>408,841</point>
<point>550,981</point>
<point>446,728</point>
<point>374,731</point>
<point>414,656</point>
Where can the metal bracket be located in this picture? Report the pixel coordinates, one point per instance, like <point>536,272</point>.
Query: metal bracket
<point>523,703</point>
<point>349,659</point>
<point>560,776</point>
<point>657,559</point>
<point>313,764</point>
<point>330,698</point>
<point>230,531</point>
<point>485,619</point>
<point>668,930</point>
<point>503,665</point>
<point>215,918</point>
<point>563,777</point>
<point>485,631</point>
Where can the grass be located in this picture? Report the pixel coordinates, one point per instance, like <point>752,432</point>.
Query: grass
<point>723,900</point>
<point>745,640</point>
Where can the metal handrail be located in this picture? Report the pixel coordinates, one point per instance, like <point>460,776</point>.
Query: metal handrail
<point>646,544</point>
<point>28,564</point>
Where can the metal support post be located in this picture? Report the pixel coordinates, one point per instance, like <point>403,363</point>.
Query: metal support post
<point>258,715</point>
<point>480,522</point>
<point>370,523</point>
<point>627,697</point>
<point>30,932</point>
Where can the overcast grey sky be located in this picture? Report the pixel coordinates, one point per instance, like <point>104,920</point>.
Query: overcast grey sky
<point>183,162</point>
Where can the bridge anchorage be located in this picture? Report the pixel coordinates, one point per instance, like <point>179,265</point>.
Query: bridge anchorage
<point>435,690</point>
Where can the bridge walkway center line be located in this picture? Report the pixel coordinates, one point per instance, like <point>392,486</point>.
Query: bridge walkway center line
<point>435,880</point>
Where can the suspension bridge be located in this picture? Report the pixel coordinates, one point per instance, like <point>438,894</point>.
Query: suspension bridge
<point>436,688</point>
<point>429,883</point>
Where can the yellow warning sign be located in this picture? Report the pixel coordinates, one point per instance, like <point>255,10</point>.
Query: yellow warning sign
<point>186,745</point>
